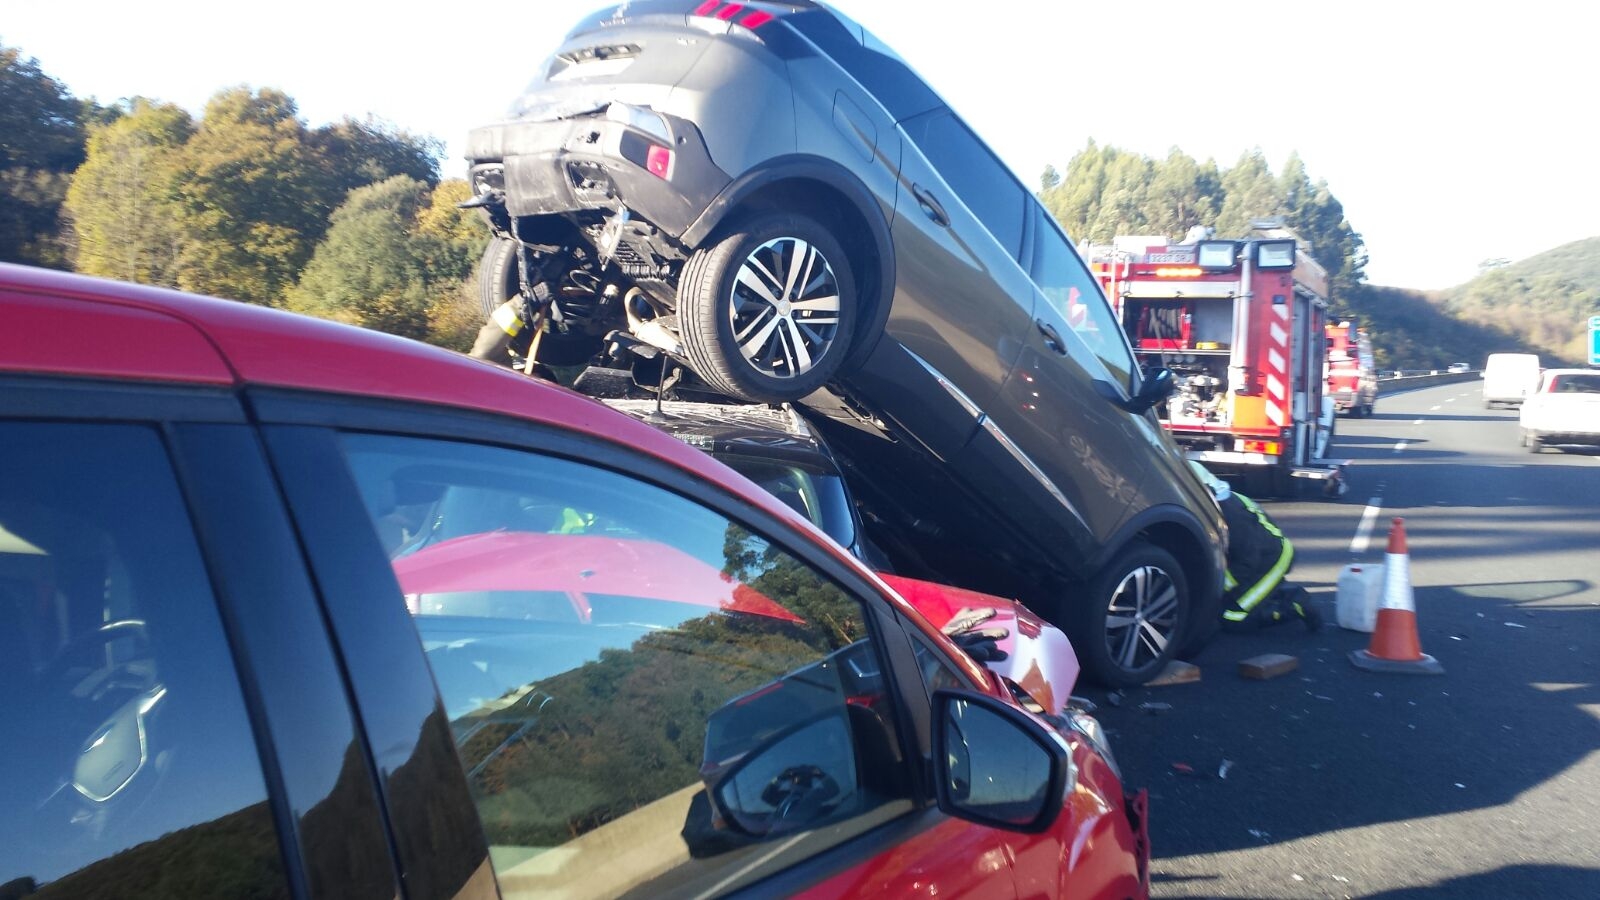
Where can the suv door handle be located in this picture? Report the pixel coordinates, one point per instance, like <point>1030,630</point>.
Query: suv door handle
<point>930,205</point>
<point>1052,337</point>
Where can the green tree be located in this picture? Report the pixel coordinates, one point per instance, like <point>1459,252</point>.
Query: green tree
<point>361,152</point>
<point>122,198</point>
<point>1182,194</point>
<point>254,199</point>
<point>41,143</point>
<point>457,238</point>
<point>395,255</point>
<point>1249,192</point>
<point>371,270</point>
<point>1316,215</point>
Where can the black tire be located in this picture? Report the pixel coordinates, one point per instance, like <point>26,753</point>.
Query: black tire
<point>498,282</point>
<point>1134,618</point>
<point>1530,439</point>
<point>497,274</point>
<point>787,353</point>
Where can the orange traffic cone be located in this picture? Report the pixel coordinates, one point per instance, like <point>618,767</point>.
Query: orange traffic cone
<point>1394,646</point>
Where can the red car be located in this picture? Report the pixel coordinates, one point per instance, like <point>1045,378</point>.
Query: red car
<point>292,609</point>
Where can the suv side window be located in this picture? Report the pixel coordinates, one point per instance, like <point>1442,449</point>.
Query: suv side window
<point>645,696</point>
<point>129,767</point>
<point>981,181</point>
<point>1072,290</point>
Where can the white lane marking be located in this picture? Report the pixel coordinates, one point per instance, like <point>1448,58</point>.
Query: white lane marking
<point>1432,408</point>
<point>1358,544</point>
<point>1450,400</point>
<point>1400,446</point>
<point>1417,422</point>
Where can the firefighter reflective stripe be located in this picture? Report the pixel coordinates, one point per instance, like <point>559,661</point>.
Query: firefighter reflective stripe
<point>1269,581</point>
<point>508,316</point>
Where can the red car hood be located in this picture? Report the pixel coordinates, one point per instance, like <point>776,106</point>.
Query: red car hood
<point>1039,658</point>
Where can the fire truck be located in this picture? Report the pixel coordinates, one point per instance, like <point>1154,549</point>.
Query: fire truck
<point>1352,373</point>
<point>1241,323</point>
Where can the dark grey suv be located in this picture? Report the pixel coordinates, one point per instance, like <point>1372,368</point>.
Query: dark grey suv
<point>770,197</point>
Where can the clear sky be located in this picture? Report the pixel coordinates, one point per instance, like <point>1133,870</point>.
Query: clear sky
<point>1452,133</point>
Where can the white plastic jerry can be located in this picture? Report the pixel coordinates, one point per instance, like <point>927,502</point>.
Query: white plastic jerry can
<point>1360,591</point>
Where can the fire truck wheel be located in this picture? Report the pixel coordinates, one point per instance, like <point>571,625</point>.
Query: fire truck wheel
<point>767,312</point>
<point>1136,613</point>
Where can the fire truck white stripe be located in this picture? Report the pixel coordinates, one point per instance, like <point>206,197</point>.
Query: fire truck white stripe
<point>1275,359</point>
<point>1280,335</point>
<point>1275,414</point>
<point>1275,387</point>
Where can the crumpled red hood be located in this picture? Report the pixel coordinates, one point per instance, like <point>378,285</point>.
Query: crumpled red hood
<point>1039,658</point>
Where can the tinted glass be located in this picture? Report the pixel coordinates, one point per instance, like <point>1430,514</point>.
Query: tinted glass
<point>979,180</point>
<point>1072,290</point>
<point>645,696</point>
<point>819,496</point>
<point>128,767</point>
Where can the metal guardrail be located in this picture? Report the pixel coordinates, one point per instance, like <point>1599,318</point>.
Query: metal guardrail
<point>1426,379</point>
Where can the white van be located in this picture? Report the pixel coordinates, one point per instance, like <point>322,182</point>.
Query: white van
<point>1508,377</point>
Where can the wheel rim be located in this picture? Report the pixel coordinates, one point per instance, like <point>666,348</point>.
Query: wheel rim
<point>1141,618</point>
<point>785,307</point>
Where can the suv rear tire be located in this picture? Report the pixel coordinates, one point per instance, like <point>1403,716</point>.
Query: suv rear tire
<point>767,311</point>
<point>1139,599</point>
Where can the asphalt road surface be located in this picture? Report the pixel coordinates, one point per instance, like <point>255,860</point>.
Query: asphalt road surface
<point>1482,782</point>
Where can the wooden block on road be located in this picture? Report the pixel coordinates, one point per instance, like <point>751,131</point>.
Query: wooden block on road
<point>1268,665</point>
<point>1176,672</point>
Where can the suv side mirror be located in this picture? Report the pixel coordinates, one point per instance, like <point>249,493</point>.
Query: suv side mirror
<point>1156,385</point>
<point>995,766</point>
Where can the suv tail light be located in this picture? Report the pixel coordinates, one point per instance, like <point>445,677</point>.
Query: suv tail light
<point>658,162</point>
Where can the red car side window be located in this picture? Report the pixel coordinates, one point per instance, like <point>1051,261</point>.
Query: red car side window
<point>624,668</point>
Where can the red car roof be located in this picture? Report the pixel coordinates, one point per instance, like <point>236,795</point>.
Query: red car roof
<point>60,323</point>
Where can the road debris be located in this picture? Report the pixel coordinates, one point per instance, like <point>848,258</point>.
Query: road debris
<point>1222,770</point>
<point>1176,672</point>
<point>1155,709</point>
<point>1268,665</point>
<point>1515,625</point>
<point>1259,835</point>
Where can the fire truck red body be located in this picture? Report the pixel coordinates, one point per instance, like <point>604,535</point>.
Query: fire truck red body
<point>1241,323</point>
<point>1352,372</point>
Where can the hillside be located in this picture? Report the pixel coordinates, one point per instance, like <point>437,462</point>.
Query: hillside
<point>1541,304</point>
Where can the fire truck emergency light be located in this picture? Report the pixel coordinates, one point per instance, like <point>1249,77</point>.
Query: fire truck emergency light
<point>1217,254</point>
<point>1275,255</point>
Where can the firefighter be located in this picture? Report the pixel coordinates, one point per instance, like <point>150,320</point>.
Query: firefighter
<point>1260,556</point>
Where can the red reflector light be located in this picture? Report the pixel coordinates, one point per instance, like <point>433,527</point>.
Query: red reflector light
<point>658,161</point>
<point>756,20</point>
<point>729,11</point>
<point>705,8</point>
<point>1272,448</point>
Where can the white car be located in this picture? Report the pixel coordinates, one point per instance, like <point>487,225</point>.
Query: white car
<point>1564,410</point>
